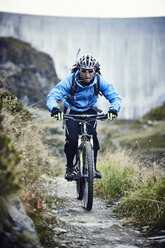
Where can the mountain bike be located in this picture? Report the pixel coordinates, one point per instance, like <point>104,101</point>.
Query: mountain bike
<point>84,165</point>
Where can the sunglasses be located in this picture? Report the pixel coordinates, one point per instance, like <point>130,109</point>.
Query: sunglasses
<point>86,70</point>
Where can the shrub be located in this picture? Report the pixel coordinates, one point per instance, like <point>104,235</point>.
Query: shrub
<point>118,175</point>
<point>156,113</point>
<point>11,104</point>
<point>146,206</point>
<point>141,189</point>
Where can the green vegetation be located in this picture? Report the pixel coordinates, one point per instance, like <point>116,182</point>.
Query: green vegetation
<point>45,221</point>
<point>138,187</point>
<point>156,113</point>
<point>146,205</point>
<point>26,134</point>
<point>133,168</point>
<point>118,175</point>
<point>11,104</point>
<point>9,159</point>
<point>139,190</point>
<point>142,138</point>
<point>24,159</point>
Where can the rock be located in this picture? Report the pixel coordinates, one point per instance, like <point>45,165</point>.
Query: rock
<point>26,72</point>
<point>17,230</point>
<point>59,231</point>
<point>162,242</point>
<point>157,237</point>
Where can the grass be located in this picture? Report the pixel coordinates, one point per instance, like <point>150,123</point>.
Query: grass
<point>25,132</point>
<point>140,190</point>
<point>146,205</point>
<point>39,205</point>
<point>147,136</point>
<point>133,168</point>
<point>24,159</point>
<point>141,138</point>
<point>9,159</point>
<point>118,175</point>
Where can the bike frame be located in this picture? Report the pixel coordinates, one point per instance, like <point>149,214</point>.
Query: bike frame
<point>83,136</point>
<point>84,166</point>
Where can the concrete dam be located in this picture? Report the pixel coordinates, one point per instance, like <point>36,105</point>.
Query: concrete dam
<point>131,52</point>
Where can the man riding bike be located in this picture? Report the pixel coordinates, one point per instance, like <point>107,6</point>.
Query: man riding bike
<point>80,92</point>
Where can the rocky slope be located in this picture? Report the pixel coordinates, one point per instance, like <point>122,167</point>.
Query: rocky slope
<point>26,72</point>
<point>16,228</point>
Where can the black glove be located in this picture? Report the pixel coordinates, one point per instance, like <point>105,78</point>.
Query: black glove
<point>112,113</point>
<point>55,111</point>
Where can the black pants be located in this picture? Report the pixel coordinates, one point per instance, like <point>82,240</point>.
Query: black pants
<point>72,131</point>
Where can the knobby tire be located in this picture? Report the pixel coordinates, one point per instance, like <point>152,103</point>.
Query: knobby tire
<point>80,187</point>
<point>88,168</point>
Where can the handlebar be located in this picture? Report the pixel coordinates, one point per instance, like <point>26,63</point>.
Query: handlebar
<point>85,117</point>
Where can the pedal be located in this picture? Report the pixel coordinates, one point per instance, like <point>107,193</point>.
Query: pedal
<point>71,177</point>
<point>97,176</point>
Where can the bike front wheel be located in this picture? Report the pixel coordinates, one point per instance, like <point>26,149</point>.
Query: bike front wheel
<point>80,187</point>
<point>88,171</point>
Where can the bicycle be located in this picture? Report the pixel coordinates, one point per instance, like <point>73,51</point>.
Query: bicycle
<point>84,164</point>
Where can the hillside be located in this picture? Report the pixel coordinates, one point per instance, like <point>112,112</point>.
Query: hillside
<point>24,159</point>
<point>31,166</point>
<point>26,72</point>
<point>143,138</point>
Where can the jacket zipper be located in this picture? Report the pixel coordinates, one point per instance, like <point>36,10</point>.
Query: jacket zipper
<point>89,99</point>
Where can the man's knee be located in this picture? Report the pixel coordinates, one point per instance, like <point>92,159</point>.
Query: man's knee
<point>72,140</point>
<point>70,145</point>
<point>96,143</point>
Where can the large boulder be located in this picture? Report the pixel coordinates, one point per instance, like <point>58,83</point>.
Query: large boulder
<point>26,72</point>
<point>16,229</point>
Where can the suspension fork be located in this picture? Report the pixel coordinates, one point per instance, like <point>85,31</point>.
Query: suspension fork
<point>80,154</point>
<point>84,136</point>
<point>83,126</point>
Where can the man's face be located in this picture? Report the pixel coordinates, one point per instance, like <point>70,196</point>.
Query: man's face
<point>87,74</point>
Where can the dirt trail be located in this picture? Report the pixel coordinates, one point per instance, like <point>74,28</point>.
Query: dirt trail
<point>79,228</point>
<point>96,228</point>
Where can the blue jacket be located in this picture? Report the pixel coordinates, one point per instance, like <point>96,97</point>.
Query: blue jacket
<point>85,97</point>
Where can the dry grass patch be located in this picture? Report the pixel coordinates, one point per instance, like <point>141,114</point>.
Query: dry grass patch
<point>140,190</point>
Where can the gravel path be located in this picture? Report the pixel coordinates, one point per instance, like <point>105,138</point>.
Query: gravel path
<point>94,229</point>
<point>77,227</point>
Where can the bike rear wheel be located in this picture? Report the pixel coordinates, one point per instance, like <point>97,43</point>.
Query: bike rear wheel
<point>88,170</point>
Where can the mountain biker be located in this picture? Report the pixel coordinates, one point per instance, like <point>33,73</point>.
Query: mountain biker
<point>82,101</point>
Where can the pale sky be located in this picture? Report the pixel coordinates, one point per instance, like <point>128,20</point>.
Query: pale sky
<point>86,8</point>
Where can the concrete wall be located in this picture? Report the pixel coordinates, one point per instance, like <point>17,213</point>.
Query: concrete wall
<point>131,52</point>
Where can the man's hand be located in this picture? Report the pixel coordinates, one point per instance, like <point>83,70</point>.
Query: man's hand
<point>111,114</point>
<point>56,113</point>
